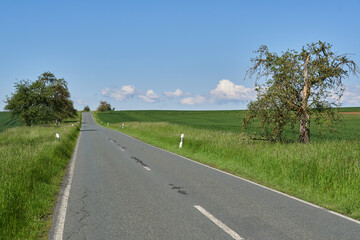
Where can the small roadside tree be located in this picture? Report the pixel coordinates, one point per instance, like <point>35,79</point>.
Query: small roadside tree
<point>104,106</point>
<point>43,101</point>
<point>294,86</point>
<point>86,109</point>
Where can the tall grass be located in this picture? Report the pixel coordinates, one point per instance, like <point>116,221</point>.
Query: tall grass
<point>325,172</point>
<point>32,166</point>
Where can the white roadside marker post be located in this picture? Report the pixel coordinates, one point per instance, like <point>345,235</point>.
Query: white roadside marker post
<point>181,141</point>
<point>57,136</point>
<point>123,125</point>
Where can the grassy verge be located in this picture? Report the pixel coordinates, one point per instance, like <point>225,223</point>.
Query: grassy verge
<point>325,172</point>
<point>32,167</point>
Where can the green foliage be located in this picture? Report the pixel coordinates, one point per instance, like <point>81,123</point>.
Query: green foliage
<point>32,166</point>
<point>86,109</point>
<point>42,101</point>
<point>104,106</point>
<point>325,172</point>
<point>296,85</point>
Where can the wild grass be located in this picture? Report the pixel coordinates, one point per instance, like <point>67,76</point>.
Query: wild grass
<point>325,172</point>
<point>32,165</point>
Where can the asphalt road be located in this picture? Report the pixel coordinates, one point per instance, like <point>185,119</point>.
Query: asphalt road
<point>122,188</point>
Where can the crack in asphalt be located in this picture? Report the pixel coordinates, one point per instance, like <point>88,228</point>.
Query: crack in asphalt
<point>178,189</point>
<point>82,214</point>
<point>139,161</point>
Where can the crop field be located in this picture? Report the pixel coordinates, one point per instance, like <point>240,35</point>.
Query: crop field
<point>6,121</point>
<point>231,121</point>
<point>325,172</point>
<point>32,166</point>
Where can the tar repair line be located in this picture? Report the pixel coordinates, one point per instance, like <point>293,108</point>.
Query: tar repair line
<point>219,223</point>
<point>59,228</point>
<point>243,179</point>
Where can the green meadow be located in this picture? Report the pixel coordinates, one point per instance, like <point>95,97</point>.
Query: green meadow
<point>32,166</point>
<point>325,172</point>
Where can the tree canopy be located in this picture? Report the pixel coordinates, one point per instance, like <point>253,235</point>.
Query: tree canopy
<point>86,109</point>
<point>294,86</point>
<point>104,106</point>
<point>43,101</point>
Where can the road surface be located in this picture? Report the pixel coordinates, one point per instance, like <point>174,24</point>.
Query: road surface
<point>121,188</point>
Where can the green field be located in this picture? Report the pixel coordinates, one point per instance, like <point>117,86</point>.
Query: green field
<point>214,120</point>
<point>32,166</point>
<point>350,109</point>
<point>325,172</point>
<point>231,121</point>
<point>7,122</point>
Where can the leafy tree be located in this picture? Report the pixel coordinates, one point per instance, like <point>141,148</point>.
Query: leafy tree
<point>295,86</point>
<point>104,106</point>
<point>86,109</point>
<point>43,101</point>
<point>58,96</point>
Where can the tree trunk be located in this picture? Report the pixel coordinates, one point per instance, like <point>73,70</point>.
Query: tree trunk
<point>304,118</point>
<point>27,122</point>
<point>304,136</point>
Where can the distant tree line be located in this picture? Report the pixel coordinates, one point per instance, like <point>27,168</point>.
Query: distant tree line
<point>103,107</point>
<point>46,100</point>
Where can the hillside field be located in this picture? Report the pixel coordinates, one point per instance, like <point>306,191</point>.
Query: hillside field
<point>231,121</point>
<point>325,172</point>
<point>6,121</point>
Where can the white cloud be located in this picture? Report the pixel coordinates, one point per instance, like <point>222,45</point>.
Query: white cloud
<point>193,100</point>
<point>227,90</point>
<point>176,93</point>
<point>150,96</point>
<point>81,102</point>
<point>352,96</point>
<point>119,94</point>
<point>105,91</point>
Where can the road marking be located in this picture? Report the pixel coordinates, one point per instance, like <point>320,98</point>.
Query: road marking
<point>59,228</point>
<point>219,223</point>
<point>243,179</point>
<point>147,168</point>
<point>121,149</point>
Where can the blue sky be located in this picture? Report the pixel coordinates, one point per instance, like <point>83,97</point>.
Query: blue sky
<point>164,54</point>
